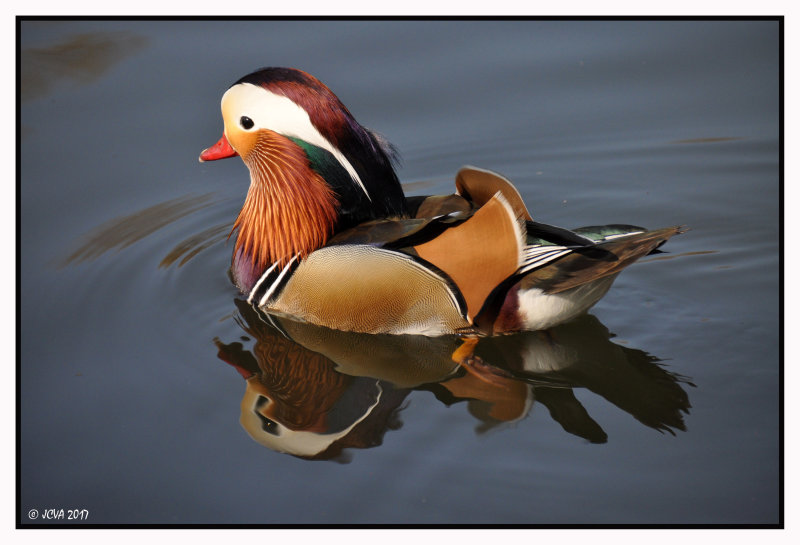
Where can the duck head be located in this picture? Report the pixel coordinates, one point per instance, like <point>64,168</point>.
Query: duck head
<point>314,170</point>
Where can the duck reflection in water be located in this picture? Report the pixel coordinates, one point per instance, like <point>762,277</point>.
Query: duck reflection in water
<point>313,392</point>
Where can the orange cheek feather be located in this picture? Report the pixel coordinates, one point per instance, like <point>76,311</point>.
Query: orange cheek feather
<point>289,208</point>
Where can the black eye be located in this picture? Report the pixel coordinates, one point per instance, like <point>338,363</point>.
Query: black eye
<point>246,122</point>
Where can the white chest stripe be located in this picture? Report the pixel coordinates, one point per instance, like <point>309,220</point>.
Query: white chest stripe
<point>289,266</point>
<point>271,282</point>
<point>260,280</point>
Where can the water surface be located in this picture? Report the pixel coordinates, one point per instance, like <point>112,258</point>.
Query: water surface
<point>137,355</point>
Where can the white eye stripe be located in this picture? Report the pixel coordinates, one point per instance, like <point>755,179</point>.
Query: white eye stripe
<point>278,113</point>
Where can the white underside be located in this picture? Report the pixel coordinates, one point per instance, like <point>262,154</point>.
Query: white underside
<point>539,310</point>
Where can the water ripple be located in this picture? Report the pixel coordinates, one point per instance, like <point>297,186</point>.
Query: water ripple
<point>121,232</point>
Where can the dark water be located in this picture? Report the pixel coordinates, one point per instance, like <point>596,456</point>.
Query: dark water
<point>659,407</point>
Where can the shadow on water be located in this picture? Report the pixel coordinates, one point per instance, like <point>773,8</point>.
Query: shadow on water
<point>313,392</point>
<point>83,58</point>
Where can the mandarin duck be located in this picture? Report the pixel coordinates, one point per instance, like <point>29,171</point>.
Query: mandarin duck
<point>327,236</point>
